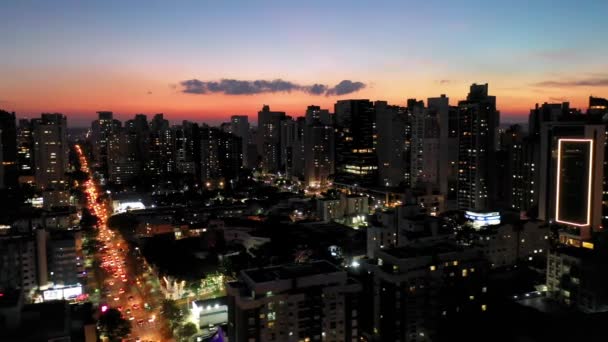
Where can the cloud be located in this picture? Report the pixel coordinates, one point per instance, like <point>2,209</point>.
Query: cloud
<point>444,82</point>
<point>345,87</point>
<point>589,82</point>
<point>317,89</point>
<point>149,92</point>
<point>242,87</point>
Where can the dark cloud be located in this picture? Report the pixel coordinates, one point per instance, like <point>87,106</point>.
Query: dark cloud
<point>240,87</point>
<point>317,89</point>
<point>590,82</point>
<point>443,82</point>
<point>345,87</point>
<point>193,86</point>
<point>149,92</point>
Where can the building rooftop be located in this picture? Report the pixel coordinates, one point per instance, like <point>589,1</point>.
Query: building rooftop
<point>413,251</point>
<point>292,271</point>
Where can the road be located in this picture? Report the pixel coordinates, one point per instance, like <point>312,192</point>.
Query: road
<point>124,288</point>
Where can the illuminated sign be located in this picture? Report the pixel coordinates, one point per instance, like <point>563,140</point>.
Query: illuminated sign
<point>127,206</point>
<point>58,293</point>
<point>483,219</point>
<point>574,178</point>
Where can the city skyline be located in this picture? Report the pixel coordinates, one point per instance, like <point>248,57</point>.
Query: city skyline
<point>78,59</point>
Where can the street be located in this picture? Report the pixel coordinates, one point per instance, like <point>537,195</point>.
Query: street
<point>124,288</point>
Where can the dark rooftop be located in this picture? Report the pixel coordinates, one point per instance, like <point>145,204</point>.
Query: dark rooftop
<point>426,250</point>
<point>290,271</point>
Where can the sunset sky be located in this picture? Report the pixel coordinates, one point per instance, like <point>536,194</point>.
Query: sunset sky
<point>79,57</point>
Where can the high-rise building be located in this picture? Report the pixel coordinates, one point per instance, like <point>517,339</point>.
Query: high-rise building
<point>392,126</point>
<point>50,150</point>
<point>478,122</point>
<point>289,142</point>
<point>571,175</point>
<point>419,289</point>
<point>269,139</point>
<point>66,261</point>
<point>510,159</point>
<point>8,141</point>
<point>105,136</point>
<point>25,153</point>
<point>303,302</point>
<point>17,263</point>
<point>220,157</point>
<point>318,147</point>
<point>355,137</point>
<point>240,127</point>
<point>161,161</point>
<point>187,148</point>
<point>425,148</point>
<point>447,120</point>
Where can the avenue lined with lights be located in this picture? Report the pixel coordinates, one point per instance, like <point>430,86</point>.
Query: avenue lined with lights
<point>121,289</point>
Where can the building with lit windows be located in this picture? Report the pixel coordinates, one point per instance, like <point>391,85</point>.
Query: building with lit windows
<point>8,139</point>
<point>355,137</point>
<point>420,288</point>
<point>25,153</point>
<point>303,302</point>
<point>18,263</point>
<point>571,175</point>
<point>269,139</point>
<point>393,127</point>
<point>477,124</point>
<point>105,135</point>
<point>239,126</point>
<point>346,208</point>
<point>50,150</point>
<point>221,157</point>
<point>318,147</point>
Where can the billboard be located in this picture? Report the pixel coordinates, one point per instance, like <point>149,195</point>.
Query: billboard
<point>483,219</point>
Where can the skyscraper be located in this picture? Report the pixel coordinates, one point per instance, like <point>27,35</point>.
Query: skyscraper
<point>571,175</point>
<point>392,126</point>
<point>161,161</point>
<point>478,122</point>
<point>355,137</point>
<point>9,148</point>
<point>269,139</point>
<point>447,120</point>
<point>220,157</point>
<point>105,136</point>
<point>425,159</point>
<point>240,128</point>
<point>25,153</point>
<point>318,146</point>
<point>50,150</point>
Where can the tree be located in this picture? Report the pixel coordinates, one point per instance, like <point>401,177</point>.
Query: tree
<point>172,312</point>
<point>187,330</point>
<point>112,325</point>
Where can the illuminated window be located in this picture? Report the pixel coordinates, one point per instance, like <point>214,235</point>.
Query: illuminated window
<point>433,267</point>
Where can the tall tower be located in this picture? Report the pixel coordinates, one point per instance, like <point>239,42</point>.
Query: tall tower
<point>269,138</point>
<point>477,128</point>
<point>50,150</point>
<point>240,128</point>
<point>355,129</point>
<point>571,175</point>
<point>9,148</point>
<point>318,146</point>
<point>392,126</point>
